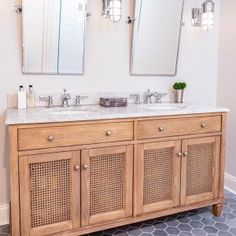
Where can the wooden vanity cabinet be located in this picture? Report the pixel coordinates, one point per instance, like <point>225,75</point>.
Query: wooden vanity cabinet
<point>111,173</point>
<point>176,173</point>
<point>158,176</point>
<point>200,170</point>
<point>49,192</point>
<point>66,190</point>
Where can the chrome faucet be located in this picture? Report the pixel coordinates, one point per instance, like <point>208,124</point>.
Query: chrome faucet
<point>65,99</point>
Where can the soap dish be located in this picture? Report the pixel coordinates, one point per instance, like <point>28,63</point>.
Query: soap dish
<point>113,102</point>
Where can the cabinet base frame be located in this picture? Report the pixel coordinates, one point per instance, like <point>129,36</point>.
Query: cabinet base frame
<point>216,203</point>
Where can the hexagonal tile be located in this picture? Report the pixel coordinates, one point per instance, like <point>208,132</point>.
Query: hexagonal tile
<point>224,233</point>
<point>160,233</point>
<point>229,216</point>
<point>160,226</point>
<point>195,217</point>
<point>221,226</point>
<point>232,206</point>
<point>172,223</point>
<point>207,221</point>
<point>118,233</point>
<point>185,234</point>
<point>196,224</point>
<point>172,230</point>
<point>148,229</point>
<point>199,232</point>
<point>185,227</point>
<point>218,219</point>
<point>135,232</point>
<point>233,231</point>
<point>210,229</point>
<point>227,209</point>
<point>231,223</point>
<point>182,219</point>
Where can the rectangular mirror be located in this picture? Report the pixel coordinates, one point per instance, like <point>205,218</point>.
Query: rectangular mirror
<point>53,36</point>
<point>156,37</point>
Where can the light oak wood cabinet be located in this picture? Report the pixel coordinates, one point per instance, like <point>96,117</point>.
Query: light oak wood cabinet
<point>80,177</point>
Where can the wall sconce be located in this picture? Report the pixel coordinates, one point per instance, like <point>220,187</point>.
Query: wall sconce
<point>112,9</point>
<point>204,16</point>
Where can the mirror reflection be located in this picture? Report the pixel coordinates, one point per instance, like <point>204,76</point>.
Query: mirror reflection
<point>53,36</point>
<point>156,37</point>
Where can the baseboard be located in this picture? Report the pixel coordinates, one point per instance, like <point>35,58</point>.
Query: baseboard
<point>4,214</point>
<point>230,183</point>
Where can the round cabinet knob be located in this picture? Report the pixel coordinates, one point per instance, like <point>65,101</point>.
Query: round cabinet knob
<point>203,125</point>
<point>50,138</point>
<point>179,154</point>
<point>161,129</point>
<point>77,167</point>
<point>185,154</point>
<point>108,133</point>
<point>85,167</point>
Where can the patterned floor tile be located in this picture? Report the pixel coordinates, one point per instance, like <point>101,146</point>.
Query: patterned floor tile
<point>199,222</point>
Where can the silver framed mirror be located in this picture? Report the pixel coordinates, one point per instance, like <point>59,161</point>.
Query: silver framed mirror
<point>54,36</point>
<point>156,37</point>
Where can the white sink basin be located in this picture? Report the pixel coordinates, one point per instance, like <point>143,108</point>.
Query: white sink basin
<point>73,111</point>
<point>160,107</point>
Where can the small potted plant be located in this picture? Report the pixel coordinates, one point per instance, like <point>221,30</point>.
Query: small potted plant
<point>179,91</point>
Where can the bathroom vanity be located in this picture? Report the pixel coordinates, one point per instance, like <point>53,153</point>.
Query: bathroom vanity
<point>81,170</point>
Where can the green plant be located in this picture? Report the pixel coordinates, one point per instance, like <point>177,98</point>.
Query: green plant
<point>179,85</point>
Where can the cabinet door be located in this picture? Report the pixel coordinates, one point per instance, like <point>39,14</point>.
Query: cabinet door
<point>106,184</point>
<point>49,193</point>
<point>200,170</point>
<point>157,176</point>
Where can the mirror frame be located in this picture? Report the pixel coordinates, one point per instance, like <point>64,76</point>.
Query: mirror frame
<point>178,48</point>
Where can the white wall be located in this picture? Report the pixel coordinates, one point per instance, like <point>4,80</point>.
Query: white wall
<point>107,65</point>
<point>227,82</point>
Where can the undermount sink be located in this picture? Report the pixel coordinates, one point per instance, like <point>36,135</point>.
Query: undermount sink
<point>160,107</point>
<point>74,111</point>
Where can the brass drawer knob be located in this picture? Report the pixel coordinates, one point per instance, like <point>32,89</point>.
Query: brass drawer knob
<point>85,167</point>
<point>179,154</point>
<point>108,133</point>
<point>203,125</point>
<point>185,154</point>
<point>77,167</point>
<point>50,138</point>
<point>161,129</point>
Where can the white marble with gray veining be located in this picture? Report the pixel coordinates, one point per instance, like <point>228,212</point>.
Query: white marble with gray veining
<point>95,112</point>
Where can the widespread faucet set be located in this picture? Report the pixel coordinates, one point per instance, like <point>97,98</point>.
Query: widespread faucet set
<point>149,97</point>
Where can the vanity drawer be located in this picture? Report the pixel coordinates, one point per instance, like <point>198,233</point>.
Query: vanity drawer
<point>36,138</point>
<point>172,127</point>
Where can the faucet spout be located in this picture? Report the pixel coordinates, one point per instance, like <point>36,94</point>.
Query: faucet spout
<point>65,99</point>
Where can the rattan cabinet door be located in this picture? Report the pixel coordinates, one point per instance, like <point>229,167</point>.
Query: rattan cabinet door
<point>200,170</point>
<point>49,193</point>
<point>157,176</point>
<point>106,184</point>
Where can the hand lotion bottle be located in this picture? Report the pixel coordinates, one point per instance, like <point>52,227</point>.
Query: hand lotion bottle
<point>31,98</point>
<point>21,98</point>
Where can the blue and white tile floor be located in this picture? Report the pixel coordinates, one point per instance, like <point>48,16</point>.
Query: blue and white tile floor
<point>199,222</point>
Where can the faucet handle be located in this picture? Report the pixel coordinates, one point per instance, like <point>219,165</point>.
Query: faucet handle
<point>159,96</point>
<point>137,97</point>
<point>78,100</point>
<point>49,99</point>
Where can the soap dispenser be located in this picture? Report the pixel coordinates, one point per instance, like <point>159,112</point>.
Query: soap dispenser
<point>21,98</point>
<point>31,97</point>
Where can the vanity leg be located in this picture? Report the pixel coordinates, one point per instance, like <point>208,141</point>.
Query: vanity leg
<point>217,209</point>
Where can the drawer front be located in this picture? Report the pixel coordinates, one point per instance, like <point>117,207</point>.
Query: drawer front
<point>36,138</point>
<point>173,127</point>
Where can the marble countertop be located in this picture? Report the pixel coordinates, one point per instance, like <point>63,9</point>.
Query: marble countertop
<point>95,112</point>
